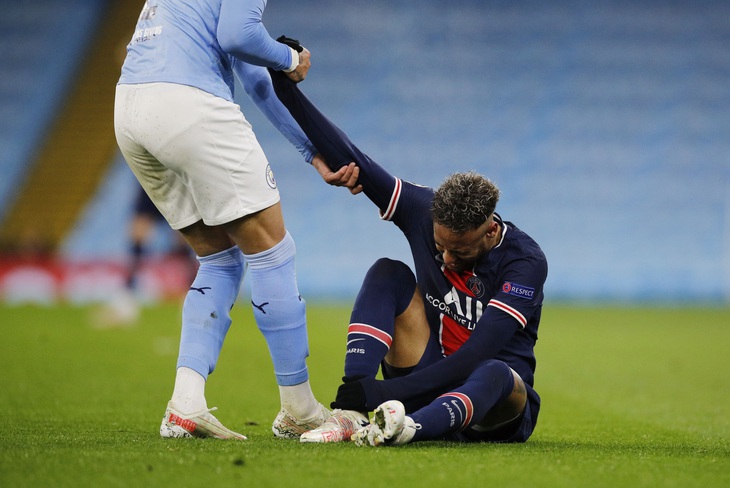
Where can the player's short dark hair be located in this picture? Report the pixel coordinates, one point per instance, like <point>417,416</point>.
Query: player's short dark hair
<point>464,201</point>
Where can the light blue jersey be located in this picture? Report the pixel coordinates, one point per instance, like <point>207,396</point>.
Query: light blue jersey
<point>189,42</point>
<point>204,43</point>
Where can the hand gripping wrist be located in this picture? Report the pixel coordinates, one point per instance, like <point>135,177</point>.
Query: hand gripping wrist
<point>296,47</point>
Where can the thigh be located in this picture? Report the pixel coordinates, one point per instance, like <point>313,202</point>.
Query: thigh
<point>138,131</point>
<point>215,150</point>
<point>206,142</point>
<point>410,335</point>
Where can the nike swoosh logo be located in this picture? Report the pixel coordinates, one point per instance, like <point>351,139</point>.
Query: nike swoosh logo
<point>458,407</point>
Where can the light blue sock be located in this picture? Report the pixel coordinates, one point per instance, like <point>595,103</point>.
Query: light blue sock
<point>279,310</point>
<point>206,311</point>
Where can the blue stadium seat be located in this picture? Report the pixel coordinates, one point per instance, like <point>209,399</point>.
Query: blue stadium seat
<point>605,124</point>
<point>41,44</point>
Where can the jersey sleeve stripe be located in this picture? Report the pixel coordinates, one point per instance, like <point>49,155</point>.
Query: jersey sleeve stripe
<point>370,331</point>
<point>388,214</point>
<point>512,311</point>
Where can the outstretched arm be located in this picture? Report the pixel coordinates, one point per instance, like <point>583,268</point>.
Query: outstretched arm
<point>334,145</point>
<point>257,83</point>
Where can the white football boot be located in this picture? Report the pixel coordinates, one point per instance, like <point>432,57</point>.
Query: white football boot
<point>287,426</point>
<point>341,425</point>
<point>390,426</point>
<point>197,424</point>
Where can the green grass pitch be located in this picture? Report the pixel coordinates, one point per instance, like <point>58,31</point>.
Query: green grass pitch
<point>632,397</point>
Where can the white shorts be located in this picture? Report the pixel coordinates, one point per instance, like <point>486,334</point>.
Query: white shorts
<point>194,153</point>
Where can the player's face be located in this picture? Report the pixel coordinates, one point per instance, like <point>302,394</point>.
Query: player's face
<point>461,250</point>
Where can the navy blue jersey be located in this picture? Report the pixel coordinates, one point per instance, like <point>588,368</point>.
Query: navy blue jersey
<point>492,311</point>
<point>506,284</point>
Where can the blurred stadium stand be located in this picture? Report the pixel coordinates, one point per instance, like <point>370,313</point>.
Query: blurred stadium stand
<point>41,46</point>
<point>606,124</point>
<point>71,159</point>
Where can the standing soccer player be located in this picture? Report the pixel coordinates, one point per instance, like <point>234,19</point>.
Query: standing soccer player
<point>197,158</point>
<point>455,342</point>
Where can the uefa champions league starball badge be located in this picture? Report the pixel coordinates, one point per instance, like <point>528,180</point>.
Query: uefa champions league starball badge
<point>270,180</point>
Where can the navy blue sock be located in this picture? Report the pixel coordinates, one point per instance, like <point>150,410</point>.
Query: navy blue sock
<point>385,293</point>
<point>456,410</point>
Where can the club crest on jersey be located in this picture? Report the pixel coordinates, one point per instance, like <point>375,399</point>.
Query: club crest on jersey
<point>270,180</point>
<point>518,290</point>
<point>475,286</point>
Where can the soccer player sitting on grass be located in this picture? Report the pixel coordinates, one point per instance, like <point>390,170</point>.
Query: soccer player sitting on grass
<point>455,340</point>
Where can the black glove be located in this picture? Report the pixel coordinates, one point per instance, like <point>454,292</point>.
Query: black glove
<point>292,43</point>
<point>350,396</point>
